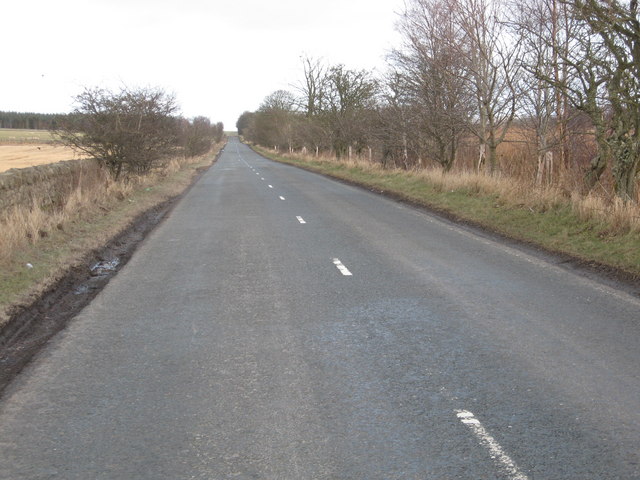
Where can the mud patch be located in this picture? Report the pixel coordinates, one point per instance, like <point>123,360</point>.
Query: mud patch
<point>31,327</point>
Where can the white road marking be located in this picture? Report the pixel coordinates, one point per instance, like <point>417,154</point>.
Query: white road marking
<point>270,186</point>
<point>301,220</point>
<point>486,440</point>
<point>344,270</point>
<point>261,178</point>
<point>281,197</point>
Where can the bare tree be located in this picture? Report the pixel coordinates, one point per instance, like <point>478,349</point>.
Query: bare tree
<point>218,132</point>
<point>243,124</point>
<point>279,100</point>
<point>602,80</point>
<point>126,132</point>
<point>534,22</point>
<point>199,135</point>
<point>616,56</point>
<point>349,107</point>
<point>313,88</point>
<point>274,123</point>
<point>562,31</point>
<point>398,114</point>
<point>434,75</point>
<point>492,69</point>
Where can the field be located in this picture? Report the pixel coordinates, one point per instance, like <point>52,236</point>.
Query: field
<point>28,148</point>
<point>12,136</point>
<point>22,156</point>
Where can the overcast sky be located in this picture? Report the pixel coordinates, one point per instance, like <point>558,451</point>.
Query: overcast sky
<point>219,57</point>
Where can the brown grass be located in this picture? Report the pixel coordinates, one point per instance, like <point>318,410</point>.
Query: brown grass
<point>92,191</point>
<point>22,156</point>
<point>621,218</point>
<point>26,223</point>
<point>54,237</point>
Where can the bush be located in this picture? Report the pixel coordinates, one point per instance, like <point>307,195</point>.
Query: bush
<point>127,132</point>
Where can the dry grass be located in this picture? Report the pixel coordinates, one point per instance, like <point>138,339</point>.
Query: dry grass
<point>93,191</point>
<point>506,190</point>
<point>621,217</point>
<point>513,191</point>
<point>56,236</point>
<point>22,156</point>
<point>25,224</point>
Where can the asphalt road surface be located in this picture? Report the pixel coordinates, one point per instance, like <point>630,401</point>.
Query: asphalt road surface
<point>280,325</point>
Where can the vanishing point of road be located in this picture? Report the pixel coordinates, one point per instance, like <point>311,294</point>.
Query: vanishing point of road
<point>281,325</point>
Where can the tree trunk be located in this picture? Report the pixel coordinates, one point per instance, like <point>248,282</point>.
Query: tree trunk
<point>452,155</point>
<point>540,169</point>
<point>548,164</point>
<point>482,156</point>
<point>405,150</point>
<point>493,158</point>
<point>596,169</point>
<point>625,172</point>
<point>626,184</point>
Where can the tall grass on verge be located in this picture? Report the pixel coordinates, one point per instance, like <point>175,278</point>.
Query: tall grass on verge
<point>52,217</point>
<point>616,216</point>
<point>43,204</point>
<point>621,217</point>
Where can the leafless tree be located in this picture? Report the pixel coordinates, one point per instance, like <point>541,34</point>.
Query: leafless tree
<point>128,131</point>
<point>243,124</point>
<point>198,135</point>
<point>534,23</point>
<point>492,69</point>
<point>273,124</point>
<point>349,108</point>
<point>313,87</point>
<point>601,61</point>
<point>398,116</point>
<point>614,31</point>
<point>433,72</point>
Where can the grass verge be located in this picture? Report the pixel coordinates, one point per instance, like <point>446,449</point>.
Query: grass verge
<point>89,221</point>
<point>594,232</point>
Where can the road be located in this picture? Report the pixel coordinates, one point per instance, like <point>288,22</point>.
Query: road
<point>280,325</point>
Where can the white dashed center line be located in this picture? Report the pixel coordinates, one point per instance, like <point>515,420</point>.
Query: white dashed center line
<point>486,440</point>
<point>301,220</point>
<point>270,186</point>
<point>344,270</point>
<point>281,197</point>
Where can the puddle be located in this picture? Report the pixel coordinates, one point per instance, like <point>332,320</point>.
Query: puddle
<point>81,290</point>
<point>105,267</point>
